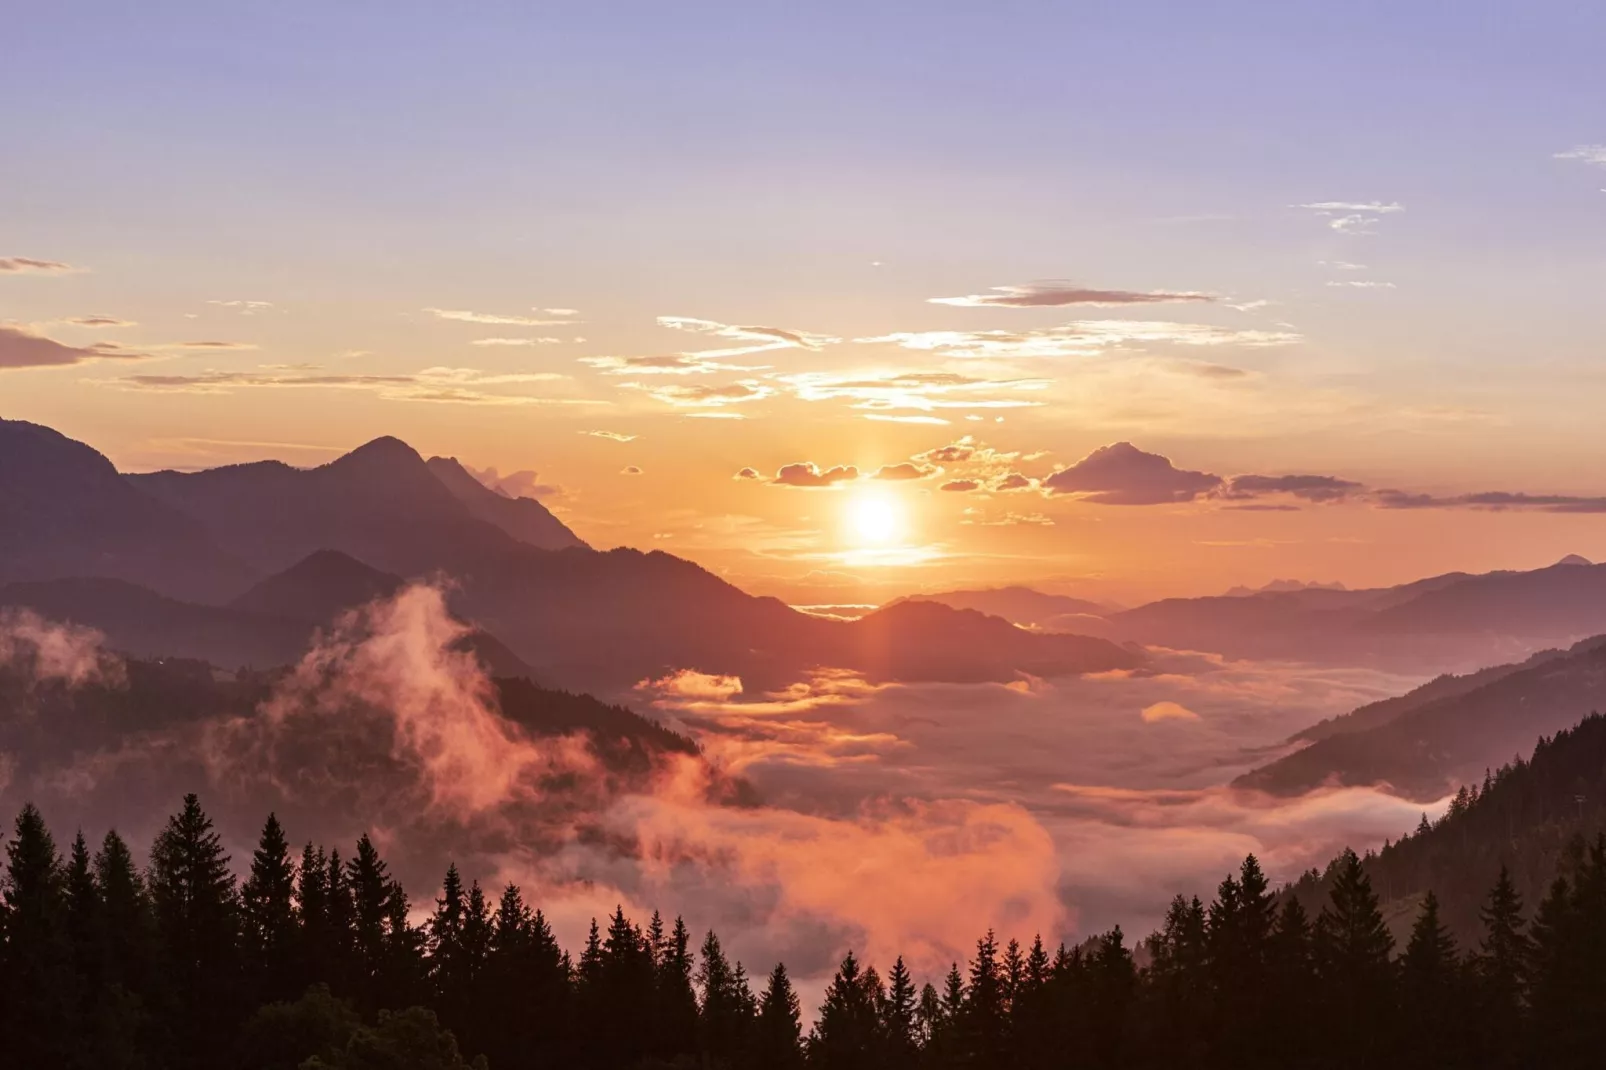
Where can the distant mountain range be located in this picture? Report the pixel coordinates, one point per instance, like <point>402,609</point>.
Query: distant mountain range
<point>1446,732</point>
<point>1456,620</point>
<point>238,564</point>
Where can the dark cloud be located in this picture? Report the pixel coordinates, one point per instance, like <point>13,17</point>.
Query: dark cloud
<point>1310,488</point>
<point>961,486</point>
<point>807,475</point>
<point>1056,294</point>
<point>953,453</point>
<point>1012,481</point>
<point>747,473</point>
<point>904,470</point>
<point>1495,501</point>
<point>19,349</point>
<point>1122,474</point>
<point>12,265</point>
<point>630,470</point>
<point>100,321</point>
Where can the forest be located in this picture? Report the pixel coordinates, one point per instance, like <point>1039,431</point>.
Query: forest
<point>314,962</point>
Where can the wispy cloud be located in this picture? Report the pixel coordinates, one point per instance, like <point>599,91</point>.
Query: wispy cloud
<point>20,348</point>
<point>96,322</point>
<point>443,385</point>
<point>1494,501</point>
<point>515,341</point>
<point>698,395</point>
<point>1081,338</point>
<point>244,308</point>
<point>1362,284</point>
<point>669,364</point>
<point>1594,155</point>
<point>27,265</point>
<point>880,391</point>
<point>552,317</point>
<point>613,436</point>
<point>1352,217</point>
<point>1058,294</point>
<point>756,338</point>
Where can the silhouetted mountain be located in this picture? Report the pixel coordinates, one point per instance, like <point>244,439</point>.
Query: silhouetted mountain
<point>64,511</point>
<point>1284,585</point>
<point>1024,606</point>
<point>523,518</point>
<point>1523,815</point>
<point>1434,744</point>
<point>1447,621</point>
<point>318,588</point>
<point>379,503</point>
<point>337,535</point>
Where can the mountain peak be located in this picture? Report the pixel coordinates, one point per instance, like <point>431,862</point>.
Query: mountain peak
<point>1574,559</point>
<point>385,452</point>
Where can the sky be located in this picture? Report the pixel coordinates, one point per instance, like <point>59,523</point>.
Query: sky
<point>678,269</point>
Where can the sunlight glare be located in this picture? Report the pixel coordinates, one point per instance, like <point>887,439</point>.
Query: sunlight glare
<point>875,518</point>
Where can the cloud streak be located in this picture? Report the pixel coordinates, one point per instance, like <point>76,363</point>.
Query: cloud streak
<point>20,348</point>
<point>1080,339</point>
<point>1057,294</point>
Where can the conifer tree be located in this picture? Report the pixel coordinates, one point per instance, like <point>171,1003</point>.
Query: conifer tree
<point>197,916</point>
<point>1352,946</point>
<point>268,918</point>
<point>778,1034</point>
<point>1502,972</point>
<point>39,989</point>
<point>897,1013</point>
<point>846,1034</point>
<point>126,938</point>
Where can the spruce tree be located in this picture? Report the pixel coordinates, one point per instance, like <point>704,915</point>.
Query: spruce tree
<point>268,917</point>
<point>1502,972</point>
<point>39,990</point>
<point>197,915</point>
<point>897,1014</point>
<point>778,1035</point>
<point>1352,947</point>
<point>847,1033</point>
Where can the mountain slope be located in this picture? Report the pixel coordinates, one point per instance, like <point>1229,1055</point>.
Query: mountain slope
<point>1425,751</point>
<point>526,519</point>
<point>65,511</point>
<point>318,588</point>
<point>1025,606</point>
<point>379,503</point>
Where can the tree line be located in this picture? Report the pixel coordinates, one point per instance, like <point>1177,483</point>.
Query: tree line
<point>313,962</point>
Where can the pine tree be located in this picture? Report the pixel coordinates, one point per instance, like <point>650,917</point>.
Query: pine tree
<point>126,936</point>
<point>1502,970</point>
<point>984,1021</point>
<point>778,1036</point>
<point>447,954</point>
<point>83,909</point>
<point>897,1015</point>
<point>268,918</point>
<point>39,990</point>
<point>726,1011</point>
<point>198,924</point>
<point>846,1035</point>
<point>1352,947</point>
<point>675,998</point>
<point>1430,985</point>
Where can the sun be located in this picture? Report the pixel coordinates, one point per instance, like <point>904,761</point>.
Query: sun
<point>874,518</point>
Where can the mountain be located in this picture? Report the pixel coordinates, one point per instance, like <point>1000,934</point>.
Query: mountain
<point>1284,585</point>
<point>526,519</point>
<point>318,588</point>
<point>1433,743</point>
<point>65,512</point>
<point>1452,621</point>
<point>315,541</point>
<point>270,625</point>
<point>380,503</point>
<point>1528,815</point>
<point>1023,606</point>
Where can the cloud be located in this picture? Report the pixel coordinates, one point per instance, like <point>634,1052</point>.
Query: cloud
<point>1494,501</point>
<point>1057,294</point>
<point>23,265</point>
<point>521,484</point>
<point>748,473</point>
<point>1594,155</point>
<point>206,344</point>
<point>807,475</point>
<point>43,651</point>
<point>96,322</point>
<point>699,395</point>
<point>1362,284</point>
<point>515,341</point>
<point>759,338</point>
<point>905,470</point>
<point>1122,474</point>
<point>670,364</point>
<point>612,436</point>
<point>443,385</point>
<point>1352,217</point>
<point>465,316</point>
<point>630,470</point>
<point>244,308</point>
<point>1310,488</point>
<point>1079,339</point>
<point>21,349</point>
<point>1167,711</point>
<point>960,486</point>
<point>929,421</point>
<point>920,391</point>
